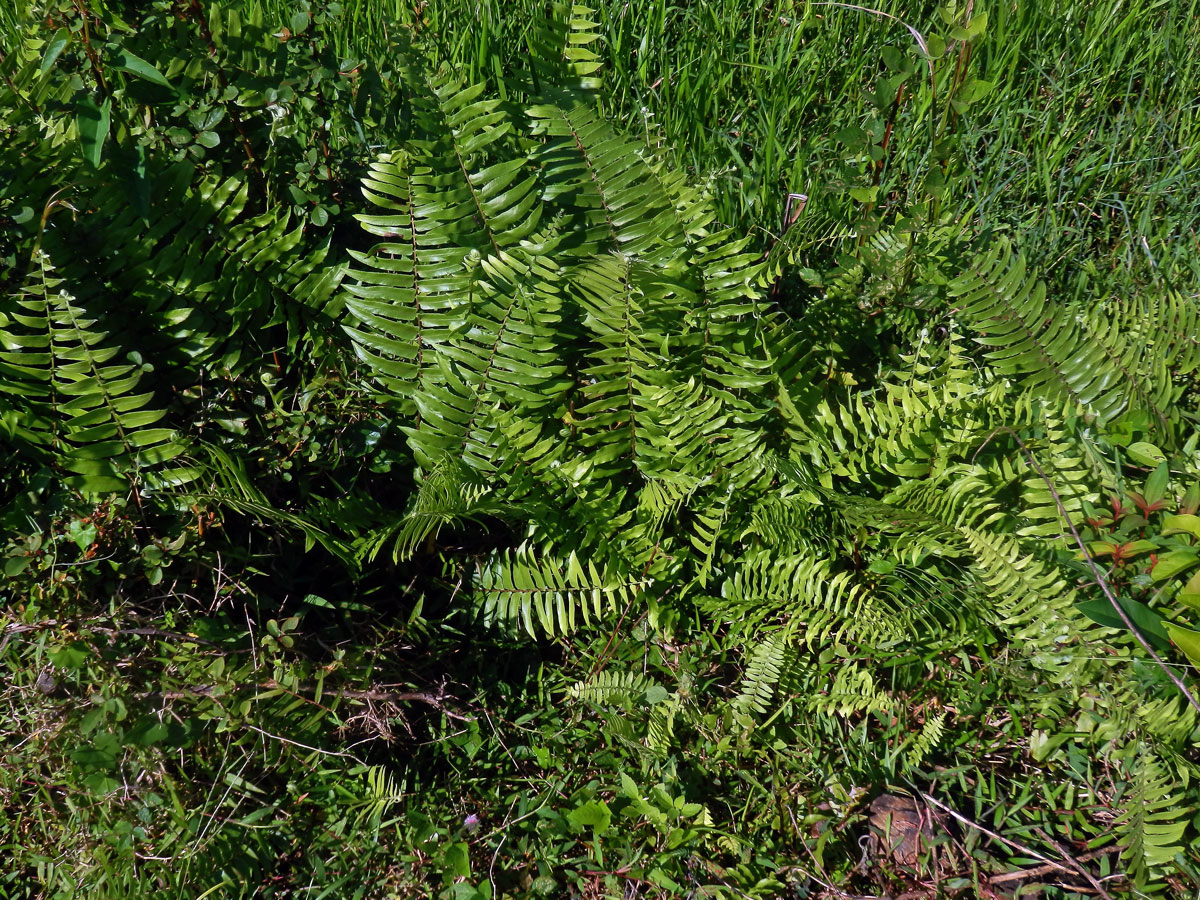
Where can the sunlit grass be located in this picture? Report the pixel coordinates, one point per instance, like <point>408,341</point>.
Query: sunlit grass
<point>1085,146</point>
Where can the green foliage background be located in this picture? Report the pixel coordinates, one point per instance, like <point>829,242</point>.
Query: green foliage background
<point>523,450</point>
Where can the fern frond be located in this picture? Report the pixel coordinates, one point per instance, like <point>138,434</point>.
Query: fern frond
<point>1087,360</point>
<point>387,295</point>
<point>608,688</point>
<point>1029,595</point>
<point>911,426</point>
<point>449,494</point>
<point>194,243</point>
<point>560,50</point>
<point>768,662</point>
<point>707,530</point>
<point>721,341</point>
<point>1062,460</point>
<point>550,596</point>
<point>74,402</point>
<point>807,593</point>
<point>799,523</point>
<point>506,357</point>
<point>660,730</point>
<point>925,742</point>
<point>1153,819</point>
<point>225,482</point>
<point>620,373</point>
<point>661,499</point>
<point>604,184</point>
<point>853,692</point>
<point>701,436</point>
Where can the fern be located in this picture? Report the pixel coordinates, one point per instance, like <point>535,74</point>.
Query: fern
<point>448,495</point>
<point>1152,820</point>
<point>206,276</point>
<point>73,401</point>
<point>582,353</point>
<point>1098,360</point>
<point>767,665</point>
<point>561,52</point>
<point>911,427</point>
<point>547,303</point>
<point>707,531</point>
<point>558,595</point>
<point>619,378</point>
<point>636,709</point>
<point>924,743</point>
<point>807,592</point>
<point>620,689</point>
<point>853,692</point>
<point>1073,480</point>
<point>549,314</point>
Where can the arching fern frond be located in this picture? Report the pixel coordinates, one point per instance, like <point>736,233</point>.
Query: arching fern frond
<point>807,592</point>
<point>911,426</point>
<point>1029,596</point>
<point>624,690</point>
<point>1062,458</point>
<point>854,691</point>
<point>207,279</point>
<point>926,741</point>
<point>1106,361</point>
<point>602,181</point>
<point>620,373</point>
<point>450,494</point>
<point>560,50</point>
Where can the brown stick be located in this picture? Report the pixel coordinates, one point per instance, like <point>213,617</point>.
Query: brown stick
<point>1021,848</point>
<point>437,701</point>
<point>1037,872</point>
<point>1078,866</point>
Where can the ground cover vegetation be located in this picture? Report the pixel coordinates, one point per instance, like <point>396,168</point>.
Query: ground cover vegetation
<point>524,449</point>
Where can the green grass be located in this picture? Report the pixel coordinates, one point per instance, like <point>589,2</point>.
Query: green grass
<point>1086,145</point>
